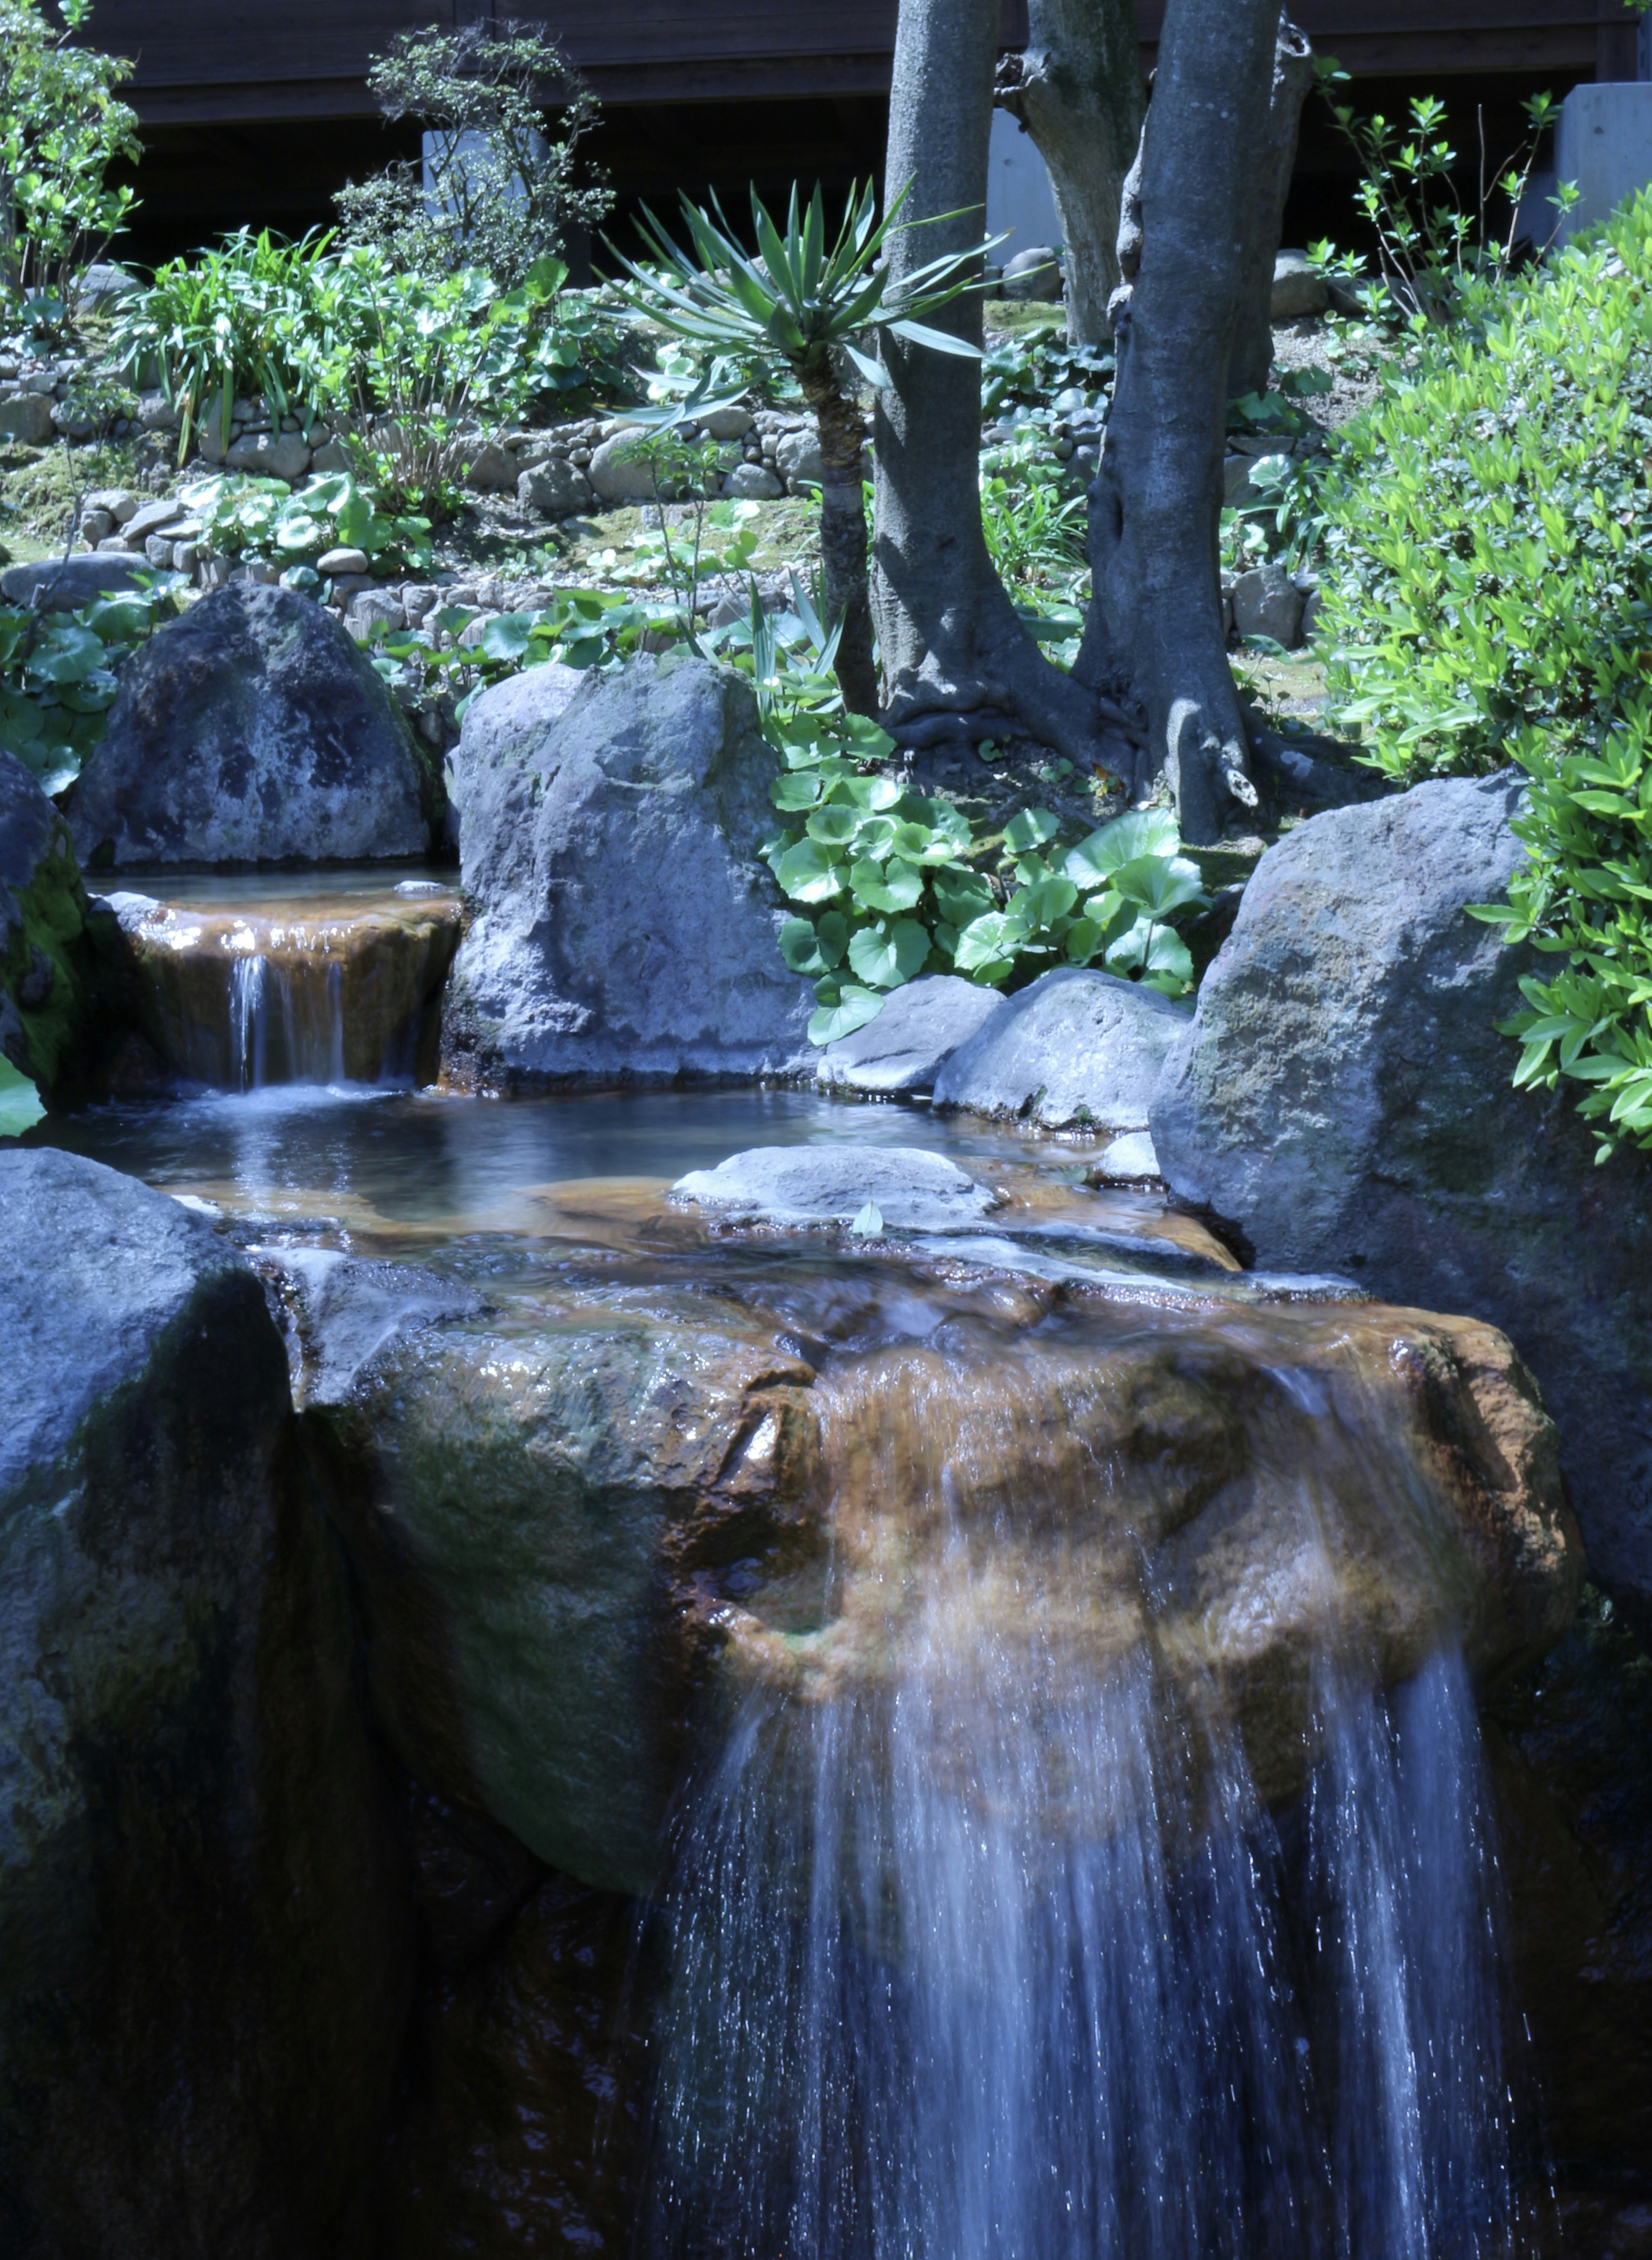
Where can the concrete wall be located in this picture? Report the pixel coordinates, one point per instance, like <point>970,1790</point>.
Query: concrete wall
<point>1604,143</point>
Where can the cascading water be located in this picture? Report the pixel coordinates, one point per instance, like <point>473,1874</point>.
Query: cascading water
<point>983,1942</point>
<point>323,992</point>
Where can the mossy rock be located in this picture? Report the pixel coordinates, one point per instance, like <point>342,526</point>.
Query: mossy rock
<point>46,1002</point>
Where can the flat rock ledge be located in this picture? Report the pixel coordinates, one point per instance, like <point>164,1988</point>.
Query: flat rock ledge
<point>822,1185</point>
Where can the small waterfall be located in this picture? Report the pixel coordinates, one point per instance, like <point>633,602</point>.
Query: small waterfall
<point>249,1021</point>
<point>988,1946</point>
<point>316,994</point>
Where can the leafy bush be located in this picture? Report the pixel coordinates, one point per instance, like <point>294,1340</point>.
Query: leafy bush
<point>227,325</point>
<point>1432,242</point>
<point>890,884</point>
<point>61,129</point>
<point>403,360</point>
<point>1490,601</point>
<point>1486,573</point>
<point>1586,894</point>
<point>58,675</point>
<point>267,518</point>
<point>499,192</point>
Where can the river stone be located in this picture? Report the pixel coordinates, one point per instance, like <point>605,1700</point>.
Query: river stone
<point>253,729</point>
<point>1076,1051</point>
<point>203,1956</point>
<point>554,488</point>
<point>65,585</point>
<point>626,930</point>
<point>491,469</point>
<point>26,418</point>
<point>269,455</point>
<point>1343,1101</point>
<point>917,1032</point>
<point>1298,288</point>
<point>45,1000</point>
<point>1034,276</point>
<point>913,1191</point>
<point>620,472</point>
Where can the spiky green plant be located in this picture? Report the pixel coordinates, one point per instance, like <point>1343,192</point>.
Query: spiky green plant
<point>804,299</point>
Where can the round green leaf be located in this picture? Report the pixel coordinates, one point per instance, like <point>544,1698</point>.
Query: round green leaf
<point>801,789</point>
<point>1031,828</point>
<point>899,891</point>
<point>885,955</point>
<point>808,875</point>
<point>1144,832</point>
<point>800,947</point>
<point>855,1009</point>
<point>833,827</point>
<point>986,948</point>
<point>1159,884</point>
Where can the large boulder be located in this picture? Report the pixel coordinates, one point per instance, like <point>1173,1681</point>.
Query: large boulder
<point>203,1963</point>
<point>626,930</point>
<point>579,1514</point>
<point>1343,1101</point>
<point>1078,1050</point>
<point>46,1004</point>
<point>254,730</point>
<point>65,584</point>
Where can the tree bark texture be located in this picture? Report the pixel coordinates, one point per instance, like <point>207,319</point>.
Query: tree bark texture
<point>956,659</point>
<point>1292,76</point>
<point>845,588</point>
<point>1156,626</point>
<point>1079,91</point>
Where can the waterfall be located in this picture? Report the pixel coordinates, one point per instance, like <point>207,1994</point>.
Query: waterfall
<point>989,1947</point>
<point>313,993</point>
<point>249,1021</point>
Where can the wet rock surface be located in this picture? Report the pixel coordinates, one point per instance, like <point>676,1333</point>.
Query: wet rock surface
<point>581,1514</point>
<point>1076,1050</point>
<point>1343,1101</point>
<point>252,730</point>
<point>912,1190</point>
<point>626,930</point>
<point>206,1950</point>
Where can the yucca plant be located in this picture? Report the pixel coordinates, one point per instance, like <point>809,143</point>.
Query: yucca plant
<point>804,299</point>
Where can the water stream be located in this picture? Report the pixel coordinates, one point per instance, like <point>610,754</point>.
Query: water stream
<point>993,1929</point>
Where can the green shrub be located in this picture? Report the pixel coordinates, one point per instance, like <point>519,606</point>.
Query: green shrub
<point>225,325</point>
<point>61,129</point>
<point>266,518</point>
<point>1490,602</point>
<point>1486,570</point>
<point>58,675</point>
<point>502,191</point>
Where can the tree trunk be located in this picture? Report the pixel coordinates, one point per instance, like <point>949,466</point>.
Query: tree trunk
<point>1156,626</point>
<point>956,659</point>
<point>1292,76</point>
<point>846,594</point>
<point>1079,91</point>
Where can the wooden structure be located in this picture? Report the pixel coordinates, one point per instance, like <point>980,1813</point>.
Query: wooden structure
<point>200,62</point>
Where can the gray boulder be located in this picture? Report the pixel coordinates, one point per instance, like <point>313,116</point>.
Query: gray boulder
<point>27,417</point>
<point>913,1038</point>
<point>554,488</point>
<point>46,1002</point>
<point>625,929</point>
<point>1034,276</point>
<point>1343,1101</point>
<point>1298,288</point>
<point>1076,1051</point>
<point>252,731</point>
<point>753,482</point>
<point>1267,602</point>
<point>56,584</point>
<point>205,1962</point>
<point>620,472</point>
<point>269,455</point>
<point>912,1190</point>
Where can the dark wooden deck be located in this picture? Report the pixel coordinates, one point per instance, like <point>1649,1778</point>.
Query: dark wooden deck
<point>210,61</point>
